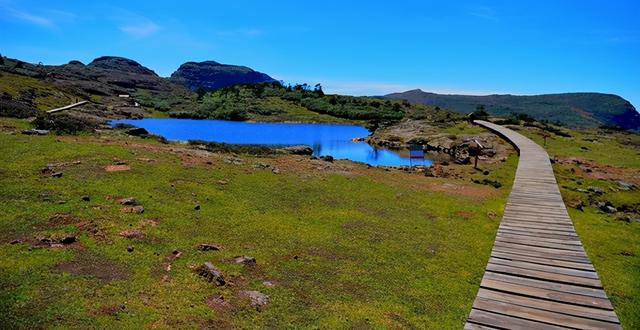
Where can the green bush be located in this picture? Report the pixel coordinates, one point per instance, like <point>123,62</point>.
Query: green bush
<point>63,123</point>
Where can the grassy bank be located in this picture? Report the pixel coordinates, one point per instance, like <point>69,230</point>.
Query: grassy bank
<point>337,244</point>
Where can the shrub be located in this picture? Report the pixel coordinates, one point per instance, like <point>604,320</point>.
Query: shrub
<point>63,123</point>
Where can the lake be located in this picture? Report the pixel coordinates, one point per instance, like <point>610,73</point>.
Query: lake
<point>325,139</point>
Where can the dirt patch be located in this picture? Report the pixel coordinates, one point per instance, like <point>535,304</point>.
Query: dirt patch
<point>87,263</point>
<point>117,168</point>
<point>594,170</point>
<point>464,214</point>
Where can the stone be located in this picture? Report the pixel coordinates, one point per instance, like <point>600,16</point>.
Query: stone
<point>197,207</point>
<point>128,201</point>
<point>207,247</point>
<point>275,171</point>
<point>626,185</point>
<point>261,166</point>
<point>576,204</point>
<point>327,158</point>
<point>134,209</point>
<point>35,132</point>
<point>298,150</point>
<point>132,234</point>
<point>137,131</point>
<point>211,273</point>
<point>86,198</point>
<point>69,239</point>
<point>56,174</point>
<point>257,298</point>
<point>244,260</point>
<point>596,190</point>
<point>129,248</point>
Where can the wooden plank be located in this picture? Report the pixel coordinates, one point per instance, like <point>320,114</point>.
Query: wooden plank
<point>540,315</point>
<point>546,285</point>
<point>542,261</point>
<point>543,275</point>
<point>581,311</point>
<point>486,318</point>
<point>545,268</point>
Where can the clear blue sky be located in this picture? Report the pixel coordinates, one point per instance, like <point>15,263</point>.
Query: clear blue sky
<point>352,47</point>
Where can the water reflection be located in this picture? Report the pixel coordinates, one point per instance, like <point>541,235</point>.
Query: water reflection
<point>324,139</point>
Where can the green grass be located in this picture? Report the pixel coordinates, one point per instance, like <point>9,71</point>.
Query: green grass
<point>368,248</point>
<point>47,96</point>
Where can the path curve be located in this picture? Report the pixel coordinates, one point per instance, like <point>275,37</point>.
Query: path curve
<point>538,275</point>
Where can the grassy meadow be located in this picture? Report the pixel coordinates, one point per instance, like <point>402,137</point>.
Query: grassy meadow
<point>337,244</point>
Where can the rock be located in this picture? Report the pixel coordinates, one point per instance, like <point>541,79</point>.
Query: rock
<point>86,198</point>
<point>138,131</point>
<point>576,204</point>
<point>596,190</point>
<point>56,174</point>
<point>268,283</point>
<point>197,207</point>
<point>261,166</point>
<point>327,158</point>
<point>244,260</point>
<point>47,169</point>
<point>298,150</point>
<point>15,241</point>
<point>626,185</point>
<point>258,299</point>
<point>69,239</point>
<point>275,171</point>
<point>132,234</point>
<point>128,201</point>
<point>223,182</point>
<point>34,131</point>
<point>211,273</point>
<point>129,248</point>
<point>117,168</point>
<point>133,209</point>
<point>609,209</point>
<point>210,75</point>
<point>461,154</point>
<point>207,247</point>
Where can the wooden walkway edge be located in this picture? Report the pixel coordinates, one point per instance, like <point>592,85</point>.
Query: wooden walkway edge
<point>66,107</point>
<point>538,275</point>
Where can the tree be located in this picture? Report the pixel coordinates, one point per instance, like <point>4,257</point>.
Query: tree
<point>318,89</point>
<point>201,92</point>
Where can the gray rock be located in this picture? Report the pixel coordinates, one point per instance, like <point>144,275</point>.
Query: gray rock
<point>298,150</point>
<point>208,247</point>
<point>626,185</point>
<point>596,190</point>
<point>211,274</point>
<point>128,201</point>
<point>34,131</point>
<point>244,260</point>
<point>258,299</point>
<point>138,131</point>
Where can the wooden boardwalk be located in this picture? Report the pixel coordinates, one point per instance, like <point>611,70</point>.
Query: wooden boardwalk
<point>538,275</point>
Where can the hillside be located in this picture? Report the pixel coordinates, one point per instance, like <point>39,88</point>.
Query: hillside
<point>211,75</point>
<point>571,109</point>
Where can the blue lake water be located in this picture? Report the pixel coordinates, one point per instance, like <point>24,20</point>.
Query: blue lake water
<point>325,139</point>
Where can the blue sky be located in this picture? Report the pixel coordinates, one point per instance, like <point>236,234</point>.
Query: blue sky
<point>352,47</point>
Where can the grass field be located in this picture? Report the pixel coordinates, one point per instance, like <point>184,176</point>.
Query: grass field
<point>339,244</point>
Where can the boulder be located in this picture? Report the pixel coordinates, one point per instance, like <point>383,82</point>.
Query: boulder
<point>34,131</point>
<point>298,150</point>
<point>244,260</point>
<point>128,201</point>
<point>257,298</point>
<point>133,209</point>
<point>207,247</point>
<point>211,273</point>
<point>137,131</point>
<point>596,190</point>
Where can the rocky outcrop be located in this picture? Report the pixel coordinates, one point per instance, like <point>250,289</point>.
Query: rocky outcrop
<point>211,75</point>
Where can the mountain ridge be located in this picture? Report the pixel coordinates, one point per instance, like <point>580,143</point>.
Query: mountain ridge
<point>575,109</point>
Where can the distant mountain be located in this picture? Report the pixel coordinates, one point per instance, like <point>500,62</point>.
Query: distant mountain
<point>571,109</point>
<point>212,75</point>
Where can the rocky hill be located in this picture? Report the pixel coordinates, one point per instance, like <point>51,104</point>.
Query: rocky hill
<point>571,109</point>
<point>211,75</point>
